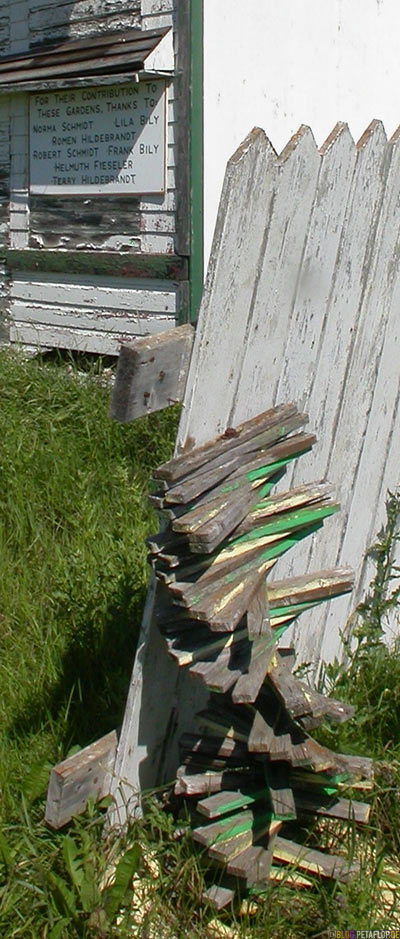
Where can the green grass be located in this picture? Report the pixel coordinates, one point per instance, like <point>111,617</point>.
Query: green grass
<point>73,519</point>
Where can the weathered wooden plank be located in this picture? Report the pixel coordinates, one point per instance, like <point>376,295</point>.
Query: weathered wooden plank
<point>262,650</point>
<point>258,615</point>
<point>253,865</point>
<point>107,293</point>
<point>359,418</point>
<point>224,609</point>
<point>71,338</point>
<point>245,207</point>
<point>155,7</point>
<point>110,264</point>
<point>219,897</point>
<point>280,792</point>
<point>223,829</point>
<point>299,166</point>
<point>48,24</point>
<point>66,210</point>
<point>262,733</point>
<point>249,683</point>
<point>199,647</point>
<point>275,504</point>
<point>89,220</point>
<point>225,723</point>
<point>224,851</point>
<point>218,467</point>
<point>218,574</point>
<point>51,15</point>
<point>339,331</point>
<point>208,527</point>
<point>296,697</point>
<point>310,587</point>
<point>323,708</point>
<point>316,862</point>
<point>285,229</point>
<point>19,175</point>
<point>151,374</point>
<point>317,268</point>
<point>194,784</point>
<point>145,243</point>
<point>83,776</point>
<point>130,324</point>
<point>189,460</point>
<point>182,86</point>
<point>224,802</point>
<point>333,807</point>
<point>221,674</point>
<point>319,758</point>
<point>357,767</point>
<point>240,471</point>
<point>226,748</point>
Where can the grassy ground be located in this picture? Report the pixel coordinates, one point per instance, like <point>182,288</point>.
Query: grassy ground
<point>73,520</point>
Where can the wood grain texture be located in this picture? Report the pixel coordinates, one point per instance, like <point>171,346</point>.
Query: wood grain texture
<point>151,374</point>
<point>218,897</point>
<point>326,865</point>
<point>86,774</point>
<point>238,246</point>
<point>89,312</point>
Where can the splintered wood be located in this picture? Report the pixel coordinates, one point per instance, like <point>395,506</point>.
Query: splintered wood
<point>253,768</point>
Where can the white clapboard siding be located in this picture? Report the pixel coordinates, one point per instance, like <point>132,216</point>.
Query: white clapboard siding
<point>150,243</point>
<point>78,18</point>
<point>131,322</point>
<point>301,303</point>
<point>103,342</point>
<point>108,292</point>
<point>50,312</point>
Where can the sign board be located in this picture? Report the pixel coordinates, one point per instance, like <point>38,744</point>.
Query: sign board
<point>104,140</point>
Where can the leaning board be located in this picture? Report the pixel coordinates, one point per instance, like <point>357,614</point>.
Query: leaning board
<point>300,304</point>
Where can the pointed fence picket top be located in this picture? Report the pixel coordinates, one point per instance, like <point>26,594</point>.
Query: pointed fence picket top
<point>301,303</point>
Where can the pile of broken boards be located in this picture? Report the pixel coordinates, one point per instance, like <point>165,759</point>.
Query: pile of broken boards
<point>253,767</point>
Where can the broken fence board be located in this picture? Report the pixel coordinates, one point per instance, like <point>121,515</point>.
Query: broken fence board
<point>151,373</point>
<point>219,897</point>
<point>316,862</point>
<point>83,776</point>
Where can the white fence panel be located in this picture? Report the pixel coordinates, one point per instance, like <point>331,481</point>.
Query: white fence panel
<point>320,312</point>
<point>302,303</point>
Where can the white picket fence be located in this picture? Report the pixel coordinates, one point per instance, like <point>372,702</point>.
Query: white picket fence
<point>302,303</point>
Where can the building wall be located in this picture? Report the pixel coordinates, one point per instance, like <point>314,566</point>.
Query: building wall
<point>278,65</point>
<point>48,309</point>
